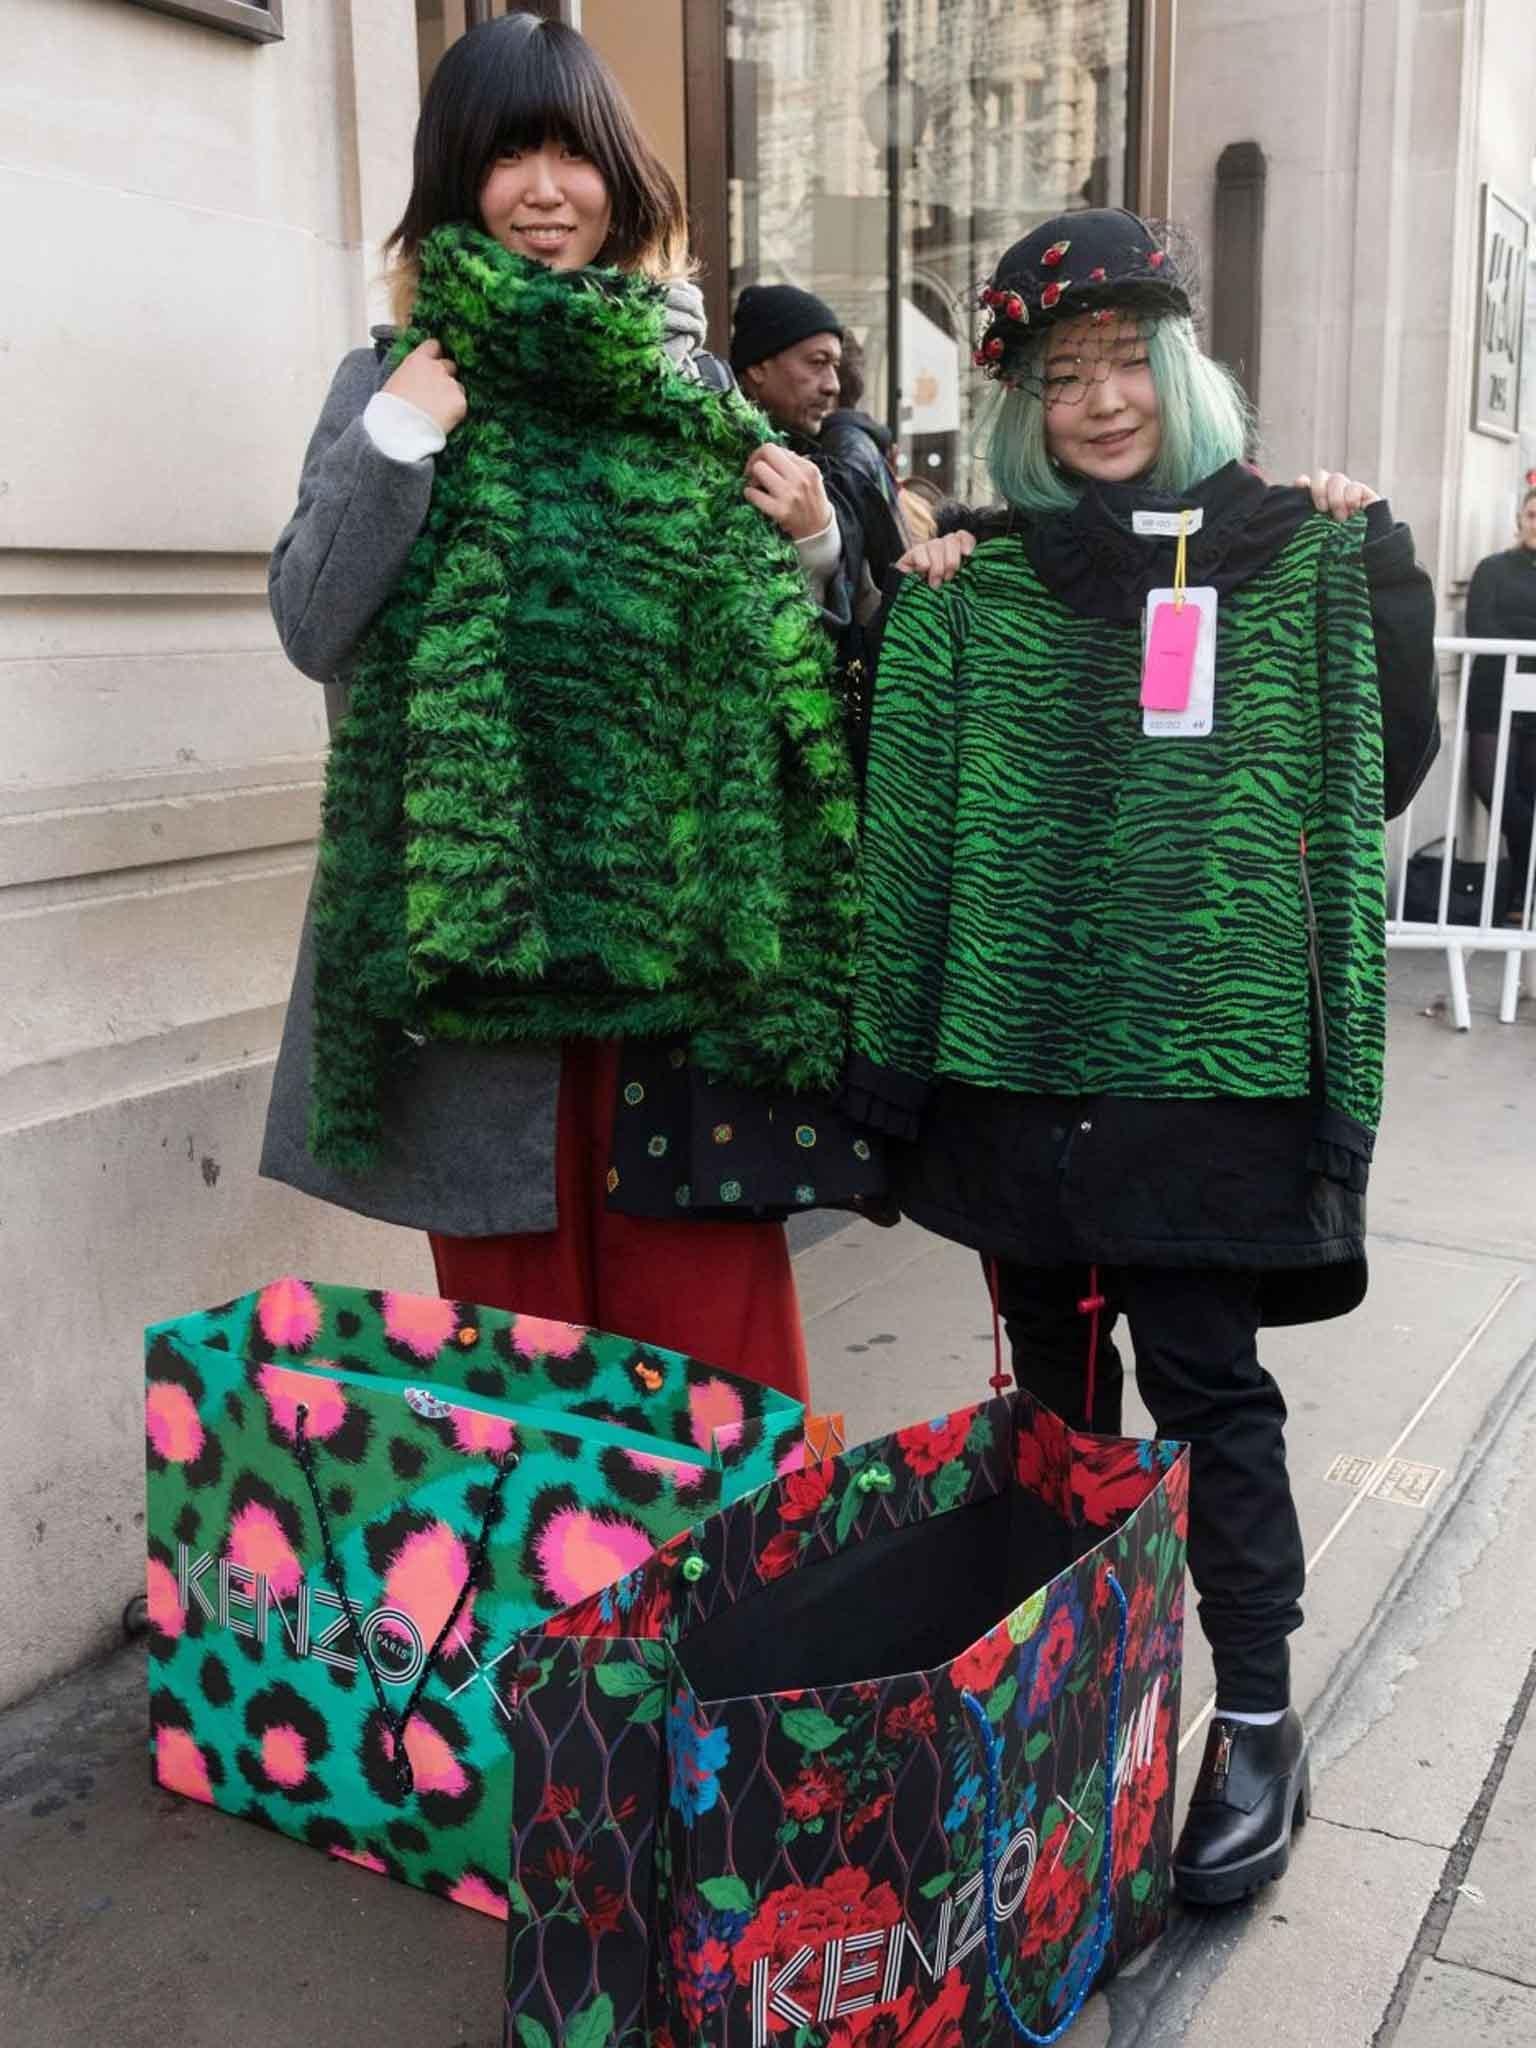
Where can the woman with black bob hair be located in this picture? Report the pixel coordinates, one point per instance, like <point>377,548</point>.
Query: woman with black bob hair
<point>587,863</point>
<point>1123,987</point>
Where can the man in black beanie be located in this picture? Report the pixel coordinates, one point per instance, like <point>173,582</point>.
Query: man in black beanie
<point>786,350</point>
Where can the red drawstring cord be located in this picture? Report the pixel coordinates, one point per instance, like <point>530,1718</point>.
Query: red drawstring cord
<point>1092,1304</point>
<point>1000,1381</point>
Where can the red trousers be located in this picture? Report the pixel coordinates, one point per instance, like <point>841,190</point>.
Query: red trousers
<point>723,1292</point>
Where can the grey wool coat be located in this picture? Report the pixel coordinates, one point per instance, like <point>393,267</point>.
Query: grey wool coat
<point>470,1133</point>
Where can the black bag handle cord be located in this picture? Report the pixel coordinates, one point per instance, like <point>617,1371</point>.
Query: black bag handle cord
<point>304,1452</point>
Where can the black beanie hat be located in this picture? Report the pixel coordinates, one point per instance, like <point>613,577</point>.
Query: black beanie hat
<point>773,317</point>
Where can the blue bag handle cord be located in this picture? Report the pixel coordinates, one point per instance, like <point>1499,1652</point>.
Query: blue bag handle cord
<point>993,1747</point>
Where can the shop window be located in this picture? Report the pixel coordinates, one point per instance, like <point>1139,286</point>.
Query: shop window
<point>884,152</point>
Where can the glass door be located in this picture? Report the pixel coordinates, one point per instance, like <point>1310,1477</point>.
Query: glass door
<point>883,153</point>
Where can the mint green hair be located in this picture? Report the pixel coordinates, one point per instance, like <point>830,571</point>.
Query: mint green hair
<point>1205,418</point>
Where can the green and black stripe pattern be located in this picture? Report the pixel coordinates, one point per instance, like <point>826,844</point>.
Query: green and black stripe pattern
<point>1058,904</point>
<point>593,780</point>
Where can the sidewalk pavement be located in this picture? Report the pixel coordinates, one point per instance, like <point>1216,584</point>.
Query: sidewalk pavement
<point>1409,1917</point>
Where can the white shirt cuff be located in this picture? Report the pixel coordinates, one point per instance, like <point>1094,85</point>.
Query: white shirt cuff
<point>819,555</point>
<point>400,430</point>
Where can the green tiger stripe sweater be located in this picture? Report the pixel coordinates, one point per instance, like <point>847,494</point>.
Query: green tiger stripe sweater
<point>1058,904</point>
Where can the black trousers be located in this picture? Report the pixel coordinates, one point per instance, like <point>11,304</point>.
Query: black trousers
<point>1194,1333</point>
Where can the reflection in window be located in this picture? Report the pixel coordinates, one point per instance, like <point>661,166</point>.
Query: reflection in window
<point>990,116</point>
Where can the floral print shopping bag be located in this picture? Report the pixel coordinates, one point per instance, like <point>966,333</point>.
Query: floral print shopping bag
<point>831,1770</point>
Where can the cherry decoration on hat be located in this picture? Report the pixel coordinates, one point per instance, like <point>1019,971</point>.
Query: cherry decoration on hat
<point>1054,254</point>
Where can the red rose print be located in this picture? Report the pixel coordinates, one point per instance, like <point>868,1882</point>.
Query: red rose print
<point>1109,1481</point>
<point>928,1445</point>
<point>778,1555</point>
<point>979,1668</point>
<point>918,2019</point>
<point>604,1913</point>
<point>1138,1799</point>
<point>804,1491</point>
<point>1176,1488</point>
<point>1057,1895</point>
<point>816,1791</point>
<point>1043,1461</point>
<point>558,1801</point>
<point>910,1718</point>
<point>867,1815</point>
<point>801,1916</point>
<point>1054,1660</point>
<point>1139,1627</point>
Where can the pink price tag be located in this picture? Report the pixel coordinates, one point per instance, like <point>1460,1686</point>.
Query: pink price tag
<point>1169,666</point>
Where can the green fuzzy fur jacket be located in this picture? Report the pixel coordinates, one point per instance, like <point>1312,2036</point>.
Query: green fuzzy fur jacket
<point>593,780</point>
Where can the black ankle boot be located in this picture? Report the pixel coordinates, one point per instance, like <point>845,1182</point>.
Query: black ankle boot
<point>1255,1786</point>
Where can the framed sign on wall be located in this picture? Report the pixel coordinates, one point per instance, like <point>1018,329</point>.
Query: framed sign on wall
<point>1504,256</point>
<point>260,21</point>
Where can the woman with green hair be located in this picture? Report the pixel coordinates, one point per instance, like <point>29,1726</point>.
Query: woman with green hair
<point>1121,999</point>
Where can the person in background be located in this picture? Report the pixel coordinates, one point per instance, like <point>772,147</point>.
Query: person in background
<point>863,446</point>
<point>787,351</point>
<point>1501,605</point>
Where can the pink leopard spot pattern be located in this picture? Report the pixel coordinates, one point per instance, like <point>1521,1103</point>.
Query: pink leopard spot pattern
<point>579,1553</point>
<point>478,1434</point>
<point>433,1764</point>
<point>257,1541</point>
<point>361,1858</point>
<point>716,1409</point>
<point>424,1578</point>
<point>180,1767</point>
<point>284,1756</point>
<point>164,1598</point>
<point>289,1314</point>
<point>170,1417</point>
<point>532,1335</point>
<point>284,1390</point>
<point>474,1892</point>
<point>421,1322</point>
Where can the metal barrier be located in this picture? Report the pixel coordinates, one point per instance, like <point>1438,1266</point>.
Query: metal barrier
<point>1457,941</point>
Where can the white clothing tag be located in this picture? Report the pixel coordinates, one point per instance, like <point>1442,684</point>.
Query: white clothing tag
<point>1198,716</point>
<point>1166,524</point>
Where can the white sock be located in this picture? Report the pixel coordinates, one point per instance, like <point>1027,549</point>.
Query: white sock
<point>1252,1720</point>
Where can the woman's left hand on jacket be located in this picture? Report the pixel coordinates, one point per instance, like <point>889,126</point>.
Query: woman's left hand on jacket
<point>1336,494</point>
